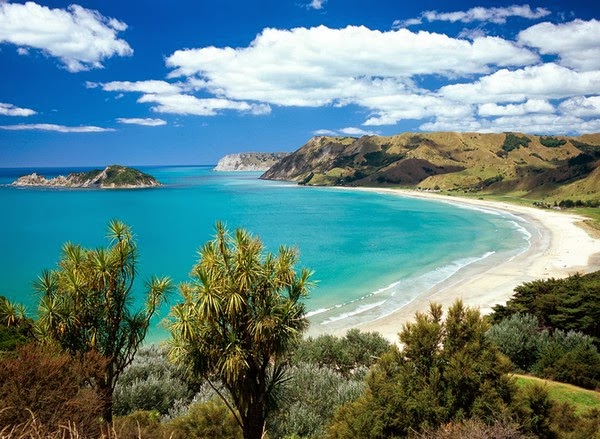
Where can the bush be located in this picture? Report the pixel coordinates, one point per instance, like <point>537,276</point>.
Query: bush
<point>355,350</point>
<point>552,142</point>
<point>512,142</point>
<point>210,419</point>
<point>310,398</point>
<point>43,388</point>
<point>520,339</point>
<point>150,383</point>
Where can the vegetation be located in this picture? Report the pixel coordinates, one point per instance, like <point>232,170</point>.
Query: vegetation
<point>85,305</point>
<point>344,355</point>
<point>571,304</point>
<point>447,370</point>
<point>512,142</point>
<point>552,142</point>
<point>565,356</point>
<point>238,320</point>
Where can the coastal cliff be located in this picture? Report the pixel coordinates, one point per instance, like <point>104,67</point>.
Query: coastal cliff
<point>499,163</point>
<point>112,177</point>
<point>249,161</point>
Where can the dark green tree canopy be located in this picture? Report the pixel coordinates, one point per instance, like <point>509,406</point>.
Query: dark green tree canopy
<point>240,315</point>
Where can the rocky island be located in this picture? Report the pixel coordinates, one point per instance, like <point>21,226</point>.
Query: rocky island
<point>249,161</point>
<point>112,177</point>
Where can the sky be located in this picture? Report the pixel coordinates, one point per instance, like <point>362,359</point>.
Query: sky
<point>150,82</point>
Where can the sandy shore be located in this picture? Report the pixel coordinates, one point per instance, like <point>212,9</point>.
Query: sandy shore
<point>559,247</point>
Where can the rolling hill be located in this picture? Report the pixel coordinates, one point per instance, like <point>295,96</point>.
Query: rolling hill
<point>531,166</point>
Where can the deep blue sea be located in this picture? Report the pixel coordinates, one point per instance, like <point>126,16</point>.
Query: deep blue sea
<point>368,251</point>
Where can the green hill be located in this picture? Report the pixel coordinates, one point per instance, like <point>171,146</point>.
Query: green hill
<point>531,166</point>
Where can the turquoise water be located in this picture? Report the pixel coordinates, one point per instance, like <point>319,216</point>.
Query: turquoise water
<point>369,251</point>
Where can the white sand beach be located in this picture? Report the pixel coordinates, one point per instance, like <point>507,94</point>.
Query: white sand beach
<point>559,247</point>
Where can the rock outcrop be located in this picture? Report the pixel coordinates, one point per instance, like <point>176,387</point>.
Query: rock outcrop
<point>249,161</point>
<point>112,177</point>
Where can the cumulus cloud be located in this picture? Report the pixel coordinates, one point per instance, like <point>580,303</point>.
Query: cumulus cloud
<point>149,122</point>
<point>322,66</point>
<point>170,98</point>
<point>577,43</point>
<point>546,81</point>
<point>581,106</point>
<point>491,15</point>
<point>53,127</point>
<point>11,110</point>
<point>531,106</point>
<point>81,38</point>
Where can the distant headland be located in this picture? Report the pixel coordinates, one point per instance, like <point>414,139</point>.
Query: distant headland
<point>547,168</point>
<point>250,161</point>
<point>112,177</point>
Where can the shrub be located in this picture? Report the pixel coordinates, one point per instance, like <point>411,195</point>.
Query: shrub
<point>310,398</point>
<point>552,142</point>
<point>210,419</point>
<point>520,339</point>
<point>41,387</point>
<point>355,350</point>
<point>149,383</point>
<point>512,142</point>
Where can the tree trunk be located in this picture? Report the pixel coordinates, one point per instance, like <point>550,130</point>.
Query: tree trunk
<point>254,422</point>
<point>105,392</point>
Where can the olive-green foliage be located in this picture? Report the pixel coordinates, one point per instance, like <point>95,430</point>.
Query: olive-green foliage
<point>447,370</point>
<point>342,354</point>
<point>569,357</point>
<point>238,320</point>
<point>520,338</point>
<point>150,383</point>
<point>309,400</point>
<point>211,419</point>
<point>15,327</point>
<point>535,410</point>
<point>85,305</point>
<point>474,429</point>
<point>570,304</point>
<point>513,141</point>
<point>568,425</point>
<point>552,142</point>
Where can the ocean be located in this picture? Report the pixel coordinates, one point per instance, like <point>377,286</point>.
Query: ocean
<point>370,253</point>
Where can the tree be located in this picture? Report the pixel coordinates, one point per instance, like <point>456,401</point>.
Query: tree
<point>446,371</point>
<point>86,305</point>
<point>239,317</point>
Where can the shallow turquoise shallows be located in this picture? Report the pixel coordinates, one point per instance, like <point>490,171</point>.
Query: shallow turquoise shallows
<point>371,253</point>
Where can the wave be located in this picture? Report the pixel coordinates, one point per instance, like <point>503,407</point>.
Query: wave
<point>387,300</point>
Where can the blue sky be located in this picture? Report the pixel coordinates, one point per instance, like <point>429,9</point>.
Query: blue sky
<point>185,82</point>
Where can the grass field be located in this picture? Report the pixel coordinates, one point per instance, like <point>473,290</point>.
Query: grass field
<point>582,399</point>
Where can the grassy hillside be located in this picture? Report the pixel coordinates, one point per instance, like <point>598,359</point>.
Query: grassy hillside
<point>582,399</point>
<point>544,168</point>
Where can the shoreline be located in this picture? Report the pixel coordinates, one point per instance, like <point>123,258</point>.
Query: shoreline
<point>559,247</point>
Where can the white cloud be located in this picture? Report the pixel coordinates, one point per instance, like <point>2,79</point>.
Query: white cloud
<point>349,131</point>
<point>81,38</point>
<point>577,43</point>
<point>492,15</point>
<point>53,127</point>
<point>11,110</point>
<point>191,105</point>
<point>546,81</point>
<point>317,4</point>
<point>22,51</point>
<point>149,122</point>
<point>581,106</point>
<point>150,87</point>
<point>531,106</point>
<point>321,66</point>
